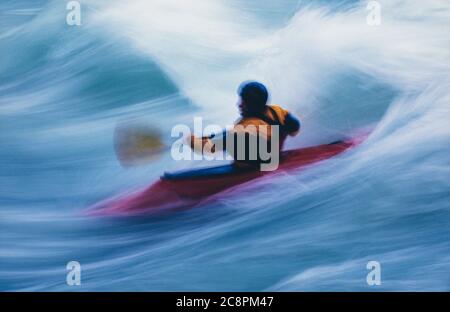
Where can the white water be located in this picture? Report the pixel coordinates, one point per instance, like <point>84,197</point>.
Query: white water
<point>388,200</point>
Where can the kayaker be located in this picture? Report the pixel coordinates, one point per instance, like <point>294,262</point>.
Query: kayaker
<point>257,119</point>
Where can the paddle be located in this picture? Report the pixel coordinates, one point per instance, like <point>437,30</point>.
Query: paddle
<point>137,144</point>
<point>140,144</point>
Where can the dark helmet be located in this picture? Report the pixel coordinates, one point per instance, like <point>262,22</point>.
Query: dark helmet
<point>254,94</point>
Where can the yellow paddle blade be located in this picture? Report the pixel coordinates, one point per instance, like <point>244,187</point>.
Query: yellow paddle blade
<point>137,144</point>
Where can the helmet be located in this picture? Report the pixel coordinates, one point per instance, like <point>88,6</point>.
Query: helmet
<point>254,94</point>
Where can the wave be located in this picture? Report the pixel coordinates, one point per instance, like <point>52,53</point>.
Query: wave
<point>63,89</point>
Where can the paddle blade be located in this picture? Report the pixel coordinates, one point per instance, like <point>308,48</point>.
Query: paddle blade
<point>137,145</point>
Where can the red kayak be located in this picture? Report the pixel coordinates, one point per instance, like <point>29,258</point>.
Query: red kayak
<point>184,189</point>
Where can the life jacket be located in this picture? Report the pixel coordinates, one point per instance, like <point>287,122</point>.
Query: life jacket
<point>273,116</point>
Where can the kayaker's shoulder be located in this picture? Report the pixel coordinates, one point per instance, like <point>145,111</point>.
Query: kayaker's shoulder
<point>250,121</point>
<point>279,110</point>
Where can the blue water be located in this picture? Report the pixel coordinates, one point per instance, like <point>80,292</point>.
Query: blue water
<point>63,90</point>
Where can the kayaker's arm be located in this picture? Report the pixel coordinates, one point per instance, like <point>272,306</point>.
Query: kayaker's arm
<point>201,144</point>
<point>198,144</point>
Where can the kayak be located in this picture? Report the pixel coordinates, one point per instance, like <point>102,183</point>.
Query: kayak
<point>184,189</point>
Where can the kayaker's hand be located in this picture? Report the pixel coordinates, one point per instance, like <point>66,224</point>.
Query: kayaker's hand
<point>189,140</point>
